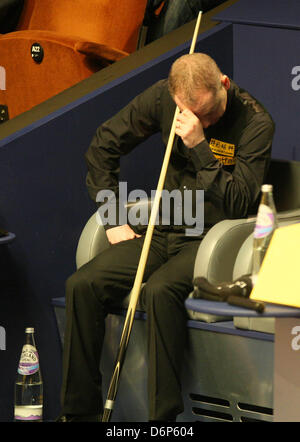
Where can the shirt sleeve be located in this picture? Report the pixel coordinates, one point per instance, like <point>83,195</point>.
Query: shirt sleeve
<point>237,191</point>
<point>118,136</point>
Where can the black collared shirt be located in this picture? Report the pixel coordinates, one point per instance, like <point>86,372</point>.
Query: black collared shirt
<point>230,165</point>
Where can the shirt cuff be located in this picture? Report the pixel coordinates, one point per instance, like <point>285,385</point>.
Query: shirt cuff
<point>202,155</point>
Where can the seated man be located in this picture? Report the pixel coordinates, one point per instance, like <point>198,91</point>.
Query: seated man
<point>172,14</point>
<point>222,146</point>
<point>10,12</point>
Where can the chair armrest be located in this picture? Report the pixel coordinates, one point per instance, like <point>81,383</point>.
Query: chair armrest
<point>290,215</point>
<point>40,36</point>
<point>92,241</point>
<point>88,48</point>
<point>97,50</point>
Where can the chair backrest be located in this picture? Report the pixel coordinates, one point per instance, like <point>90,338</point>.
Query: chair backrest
<point>243,262</point>
<point>113,22</point>
<point>285,177</point>
<point>218,250</point>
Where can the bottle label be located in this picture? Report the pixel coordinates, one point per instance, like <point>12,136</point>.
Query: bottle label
<point>264,222</point>
<point>29,361</point>
<point>28,412</point>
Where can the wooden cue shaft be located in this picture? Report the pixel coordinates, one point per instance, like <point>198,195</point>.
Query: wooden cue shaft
<point>143,259</point>
<point>148,237</point>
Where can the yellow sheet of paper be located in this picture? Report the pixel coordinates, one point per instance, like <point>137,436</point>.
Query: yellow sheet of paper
<point>279,277</point>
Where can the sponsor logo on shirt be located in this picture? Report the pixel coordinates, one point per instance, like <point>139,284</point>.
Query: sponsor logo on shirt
<point>224,152</point>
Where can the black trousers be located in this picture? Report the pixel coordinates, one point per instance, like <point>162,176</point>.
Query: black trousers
<point>103,283</point>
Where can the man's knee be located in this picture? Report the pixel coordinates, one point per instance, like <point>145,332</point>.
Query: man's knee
<point>157,291</point>
<point>164,291</point>
<point>74,282</point>
<point>82,281</point>
<point>84,293</point>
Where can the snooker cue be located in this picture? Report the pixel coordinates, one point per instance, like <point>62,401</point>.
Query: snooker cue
<point>113,387</point>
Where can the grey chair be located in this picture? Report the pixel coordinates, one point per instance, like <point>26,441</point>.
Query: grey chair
<point>226,250</point>
<point>222,240</point>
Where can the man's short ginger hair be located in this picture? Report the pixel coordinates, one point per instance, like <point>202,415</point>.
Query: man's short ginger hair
<point>193,72</point>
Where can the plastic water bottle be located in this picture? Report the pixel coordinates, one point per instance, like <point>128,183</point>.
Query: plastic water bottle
<point>29,384</point>
<point>266,223</point>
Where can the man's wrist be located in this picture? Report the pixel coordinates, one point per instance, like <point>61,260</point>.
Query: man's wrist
<point>202,155</point>
<point>199,141</point>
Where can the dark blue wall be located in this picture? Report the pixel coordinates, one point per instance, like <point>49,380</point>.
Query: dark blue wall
<point>43,200</point>
<point>266,39</point>
<point>264,58</point>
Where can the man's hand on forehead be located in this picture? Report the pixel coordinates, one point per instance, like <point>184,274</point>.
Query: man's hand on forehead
<point>189,128</point>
